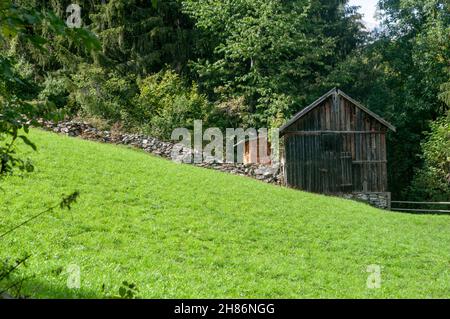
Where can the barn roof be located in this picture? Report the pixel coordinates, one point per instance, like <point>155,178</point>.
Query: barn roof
<point>338,92</point>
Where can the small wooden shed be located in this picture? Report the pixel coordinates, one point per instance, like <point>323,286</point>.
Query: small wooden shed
<point>259,152</point>
<point>336,145</point>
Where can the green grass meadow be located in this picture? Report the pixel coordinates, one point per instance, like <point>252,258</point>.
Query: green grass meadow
<point>179,231</point>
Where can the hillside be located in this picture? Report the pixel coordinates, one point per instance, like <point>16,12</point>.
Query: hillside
<point>180,231</point>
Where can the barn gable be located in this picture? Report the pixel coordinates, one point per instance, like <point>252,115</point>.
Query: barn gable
<point>335,110</point>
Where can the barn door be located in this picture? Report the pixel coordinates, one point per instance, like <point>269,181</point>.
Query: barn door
<point>336,165</point>
<point>330,168</point>
<point>346,172</point>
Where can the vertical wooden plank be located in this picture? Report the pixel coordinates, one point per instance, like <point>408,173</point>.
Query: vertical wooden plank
<point>383,146</point>
<point>324,117</point>
<point>288,151</point>
<point>314,120</point>
<point>293,161</point>
<point>358,142</point>
<point>298,162</point>
<point>302,177</point>
<point>353,148</point>
<point>311,152</point>
<point>327,115</point>
<point>352,117</point>
<point>357,119</point>
<point>306,167</point>
<point>287,156</point>
<point>299,159</point>
<point>348,116</point>
<point>384,158</point>
<point>334,112</point>
<point>380,166</point>
<point>314,166</point>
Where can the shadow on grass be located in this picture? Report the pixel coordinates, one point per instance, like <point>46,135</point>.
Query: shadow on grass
<point>34,288</point>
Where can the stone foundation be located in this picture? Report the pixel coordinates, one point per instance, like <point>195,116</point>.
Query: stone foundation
<point>379,200</point>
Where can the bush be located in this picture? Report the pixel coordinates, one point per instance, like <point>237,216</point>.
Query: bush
<point>432,181</point>
<point>159,104</point>
<point>56,89</point>
<point>165,103</point>
<point>100,93</point>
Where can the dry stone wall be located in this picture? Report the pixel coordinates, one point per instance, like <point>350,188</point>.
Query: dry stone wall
<point>269,174</point>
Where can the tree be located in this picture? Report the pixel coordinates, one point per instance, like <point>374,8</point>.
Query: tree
<point>269,55</point>
<point>17,109</point>
<point>142,37</point>
<point>432,181</point>
<point>165,102</point>
<point>400,74</point>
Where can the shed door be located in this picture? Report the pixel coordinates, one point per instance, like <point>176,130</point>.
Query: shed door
<point>336,166</point>
<point>329,166</point>
<point>346,172</point>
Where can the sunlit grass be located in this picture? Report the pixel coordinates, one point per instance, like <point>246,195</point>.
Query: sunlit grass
<point>181,231</point>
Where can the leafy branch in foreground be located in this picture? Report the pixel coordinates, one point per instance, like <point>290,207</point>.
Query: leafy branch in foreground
<point>19,108</point>
<point>65,203</point>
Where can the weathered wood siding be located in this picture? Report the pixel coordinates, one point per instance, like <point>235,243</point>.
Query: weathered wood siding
<point>259,154</point>
<point>335,148</point>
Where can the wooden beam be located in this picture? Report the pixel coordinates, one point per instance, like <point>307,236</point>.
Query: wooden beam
<point>420,210</point>
<point>332,132</point>
<point>421,203</point>
<point>369,162</point>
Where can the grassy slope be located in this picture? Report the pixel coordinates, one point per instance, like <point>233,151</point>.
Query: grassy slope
<point>181,231</point>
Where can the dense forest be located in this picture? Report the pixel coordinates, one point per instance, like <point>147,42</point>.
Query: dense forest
<point>152,66</point>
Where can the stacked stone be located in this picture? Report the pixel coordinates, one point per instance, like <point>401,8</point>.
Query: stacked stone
<point>269,174</point>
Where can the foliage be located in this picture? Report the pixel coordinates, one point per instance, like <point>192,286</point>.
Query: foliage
<point>56,89</point>
<point>143,36</point>
<point>102,92</point>
<point>400,74</point>
<point>10,285</point>
<point>10,281</point>
<point>126,291</point>
<point>18,110</point>
<point>20,107</point>
<point>179,231</point>
<point>54,46</point>
<point>268,52</point>
<point>271,57</point>
<point>445,92</point>
<point>166,103</point>
<point>432,181</point>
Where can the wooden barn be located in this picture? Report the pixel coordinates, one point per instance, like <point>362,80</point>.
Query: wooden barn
<point>335,146</point>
